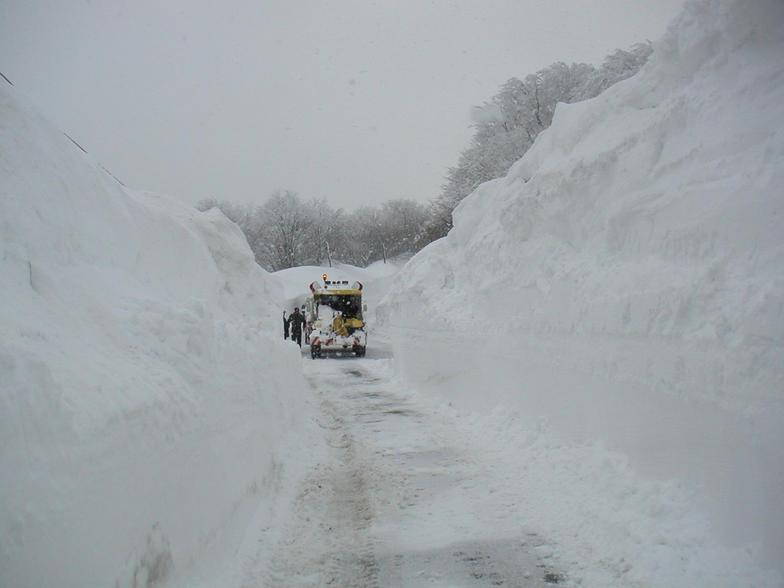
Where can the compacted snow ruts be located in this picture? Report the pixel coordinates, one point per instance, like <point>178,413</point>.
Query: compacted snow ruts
<point>401,500</point>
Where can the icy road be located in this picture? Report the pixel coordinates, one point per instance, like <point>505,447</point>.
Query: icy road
<point>401,500</point>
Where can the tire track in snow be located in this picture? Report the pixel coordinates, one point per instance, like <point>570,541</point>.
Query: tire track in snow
<point>326,543</point>
<point>354,564</point>
<point>399,502</point>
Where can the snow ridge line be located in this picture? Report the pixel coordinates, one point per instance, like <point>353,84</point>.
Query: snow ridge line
<point>325,542</point>
<point>360,568</point>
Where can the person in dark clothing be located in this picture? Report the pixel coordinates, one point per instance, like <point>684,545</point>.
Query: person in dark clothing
<point>285,326</point>
<point>296,322</point>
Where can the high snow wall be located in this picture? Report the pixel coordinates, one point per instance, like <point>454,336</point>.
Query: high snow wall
<point>145,392</point>
<point>624,283</point>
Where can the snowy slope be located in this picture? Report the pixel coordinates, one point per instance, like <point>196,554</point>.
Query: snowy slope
<point>622,290</point>
<point>142,378</point>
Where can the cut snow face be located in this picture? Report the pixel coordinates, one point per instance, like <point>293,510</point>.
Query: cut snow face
<point>623,285</point>
<point>141,373</point>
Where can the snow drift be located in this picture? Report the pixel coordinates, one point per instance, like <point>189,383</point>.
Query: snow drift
<point>145,394</point>
<point>623,289</point>
<point>377,279</point>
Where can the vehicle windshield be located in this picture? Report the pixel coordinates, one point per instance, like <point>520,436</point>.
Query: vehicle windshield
<point>349,305</point>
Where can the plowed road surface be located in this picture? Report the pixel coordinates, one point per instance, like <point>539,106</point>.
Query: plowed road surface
<point>401,500</point>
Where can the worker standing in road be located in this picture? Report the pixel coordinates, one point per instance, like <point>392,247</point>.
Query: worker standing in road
<point>285,326</point>
<point>296,322</point>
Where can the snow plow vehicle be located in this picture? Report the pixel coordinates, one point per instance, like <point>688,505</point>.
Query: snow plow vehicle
<point>334,320</point>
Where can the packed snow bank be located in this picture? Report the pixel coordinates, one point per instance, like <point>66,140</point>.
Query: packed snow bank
<point>623,287</point>
<point>145,396</point>
<point>377,279</point>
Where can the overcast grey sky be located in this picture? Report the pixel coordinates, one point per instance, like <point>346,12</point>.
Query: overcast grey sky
<point>354,101</point>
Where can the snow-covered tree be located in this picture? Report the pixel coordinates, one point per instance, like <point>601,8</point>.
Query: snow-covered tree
<point>403,222</point>
<point>507,125</point>
<point>283,230</point>
<point>325,234</point>
<point>286,231</point>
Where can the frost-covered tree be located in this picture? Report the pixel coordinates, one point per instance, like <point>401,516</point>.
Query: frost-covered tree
<point>286,231</point>
<point>366,237</point>
<point>507,125</point>
<point>284,225</point>
<point>326,232</point>
<point>378,233</point>
<point>403,222</point>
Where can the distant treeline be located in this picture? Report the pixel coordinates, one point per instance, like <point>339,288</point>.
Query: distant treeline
<point>287,231</point>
